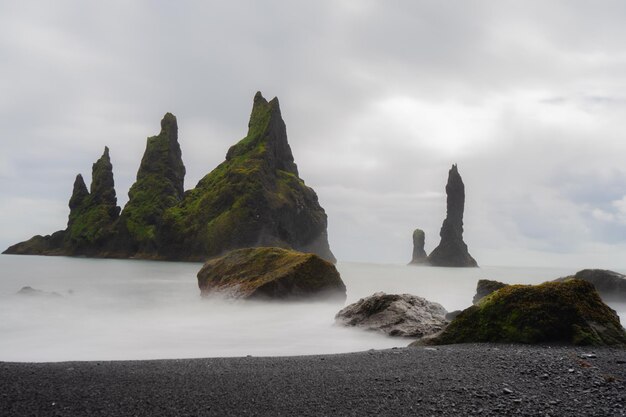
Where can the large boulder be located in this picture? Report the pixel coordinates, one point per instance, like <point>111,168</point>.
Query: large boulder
<point>568,312</point>
<point>611,285</point>
<point>419,254</point>
<point>484,287</point>
<point>271,273</point>
<point>395,315</point>
<point>452,250</point>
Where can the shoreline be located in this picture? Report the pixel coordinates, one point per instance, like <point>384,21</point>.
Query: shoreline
<point>452,380</point>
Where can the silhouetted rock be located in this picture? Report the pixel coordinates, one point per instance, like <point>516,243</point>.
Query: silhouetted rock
<point>419,254</point>
<point>610,285</point>
<point>486,287</point>
<point>271,273</point>
<point>568,312</point>
<point>254,198</point>
<point>395,315</point>
<point>452,250</point>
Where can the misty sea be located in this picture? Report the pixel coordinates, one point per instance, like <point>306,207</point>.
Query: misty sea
<point>132,309</point>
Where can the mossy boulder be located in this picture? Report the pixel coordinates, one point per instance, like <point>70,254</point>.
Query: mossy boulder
<point>568,312</point>
<point>271,273</point>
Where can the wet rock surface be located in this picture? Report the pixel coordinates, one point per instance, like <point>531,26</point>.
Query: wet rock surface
<point>452,250</point>
<point>395,315</point>
<point>485,380</point>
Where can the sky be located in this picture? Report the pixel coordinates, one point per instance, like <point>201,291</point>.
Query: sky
<point>380,98</point>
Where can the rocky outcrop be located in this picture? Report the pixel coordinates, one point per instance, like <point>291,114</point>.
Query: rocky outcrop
<point>395,315</point>
<point>568,312</point>
<point>271,273</point>
<point>254,198</point>
<point>486,287</point>
<point>610,285</point>
<point>91,222</point>
<point>159,186</point>
<point>419,254</point>
<point>452,250</point>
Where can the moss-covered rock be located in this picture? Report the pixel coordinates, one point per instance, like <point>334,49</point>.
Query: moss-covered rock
<point>159,186</point>
<point>610,285</point>
<point>254,198</point>
<point>555,312</point>
<point>271,273</point>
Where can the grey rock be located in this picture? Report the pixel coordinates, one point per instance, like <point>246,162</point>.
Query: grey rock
<point>33,292</point>
<point>610,285</point>
<point>395,315</point>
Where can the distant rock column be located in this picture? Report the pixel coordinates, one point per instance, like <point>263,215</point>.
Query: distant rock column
<point>452,250</point>
<point>419,254</point>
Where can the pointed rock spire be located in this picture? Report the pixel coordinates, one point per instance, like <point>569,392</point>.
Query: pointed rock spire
<point>79,193</point>
<point>267,136</point>
<point>159,185</point>
<point>102,184</point>
<point>452,250</point>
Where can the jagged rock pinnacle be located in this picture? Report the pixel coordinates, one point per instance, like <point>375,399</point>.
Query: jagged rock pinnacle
<point>452,250</point>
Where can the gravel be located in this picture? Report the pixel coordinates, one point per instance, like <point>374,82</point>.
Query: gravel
<point>484,380</point>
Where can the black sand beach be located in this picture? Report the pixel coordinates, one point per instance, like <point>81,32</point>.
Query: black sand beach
<point>485,380</point>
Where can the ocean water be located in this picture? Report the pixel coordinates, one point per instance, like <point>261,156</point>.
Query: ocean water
<point>131,309</point>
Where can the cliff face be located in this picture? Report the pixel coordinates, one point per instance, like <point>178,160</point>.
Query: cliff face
<point>254,198</point>
<point>452,250</point>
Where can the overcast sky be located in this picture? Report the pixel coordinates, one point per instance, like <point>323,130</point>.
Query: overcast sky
<point>379,98</point>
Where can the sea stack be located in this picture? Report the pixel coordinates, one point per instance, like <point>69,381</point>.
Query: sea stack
<point>419,254</point>
<point>452,250</point>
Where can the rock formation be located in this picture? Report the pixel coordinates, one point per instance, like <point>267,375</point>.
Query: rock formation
<point>610,285</point>
<point>568,312</point>
<point>419,254</point>
<point>486,287</point>
<point>395,315</point>
<point>452,250</point>
<point>159,186</point>
<point>254,198</point>
<point>33,292</point>
<point>271,273</point>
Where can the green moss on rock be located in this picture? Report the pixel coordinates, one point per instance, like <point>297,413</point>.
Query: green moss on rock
<point>569,312</point>
<point>159,186</point>
<point>267,272</point>
<point>254,198</point>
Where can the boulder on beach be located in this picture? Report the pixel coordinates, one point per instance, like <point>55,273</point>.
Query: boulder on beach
<point>271,273</point>
<point>569,312</point>
<point>395,315</point>
<point>610,285</point>
<point>419,254</point>
<point>484,287</point>
<point>452,250</point>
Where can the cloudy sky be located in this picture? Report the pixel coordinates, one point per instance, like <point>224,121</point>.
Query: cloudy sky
<point>379,98</point>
